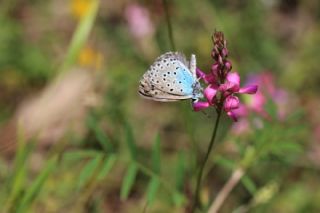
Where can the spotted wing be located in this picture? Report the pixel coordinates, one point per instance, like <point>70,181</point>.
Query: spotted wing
<point>168,78</point>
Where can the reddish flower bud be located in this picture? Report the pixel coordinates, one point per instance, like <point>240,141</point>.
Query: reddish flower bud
<point>224,52</point>
<point>228,65</point>
<point>213,54</point>
<point>214,68</point>
<point>197,106</point>
<point>220,60</point>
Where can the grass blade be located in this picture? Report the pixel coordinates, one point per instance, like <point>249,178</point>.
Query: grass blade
<point>80,36</point>
<point>152,189</point>
<point>16,180</point>
<point>128,181</point>
<point>249,184</point>
<point>106,167</point>
<point>88,170</point>
<point>80,155</point>
<point>130,142</point>
<point>35,188</point>
<point>100,135</point>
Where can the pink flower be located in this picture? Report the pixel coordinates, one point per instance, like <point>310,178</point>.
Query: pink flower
<point>139,22</point>
<point>223,85</point>
<point>268,90</point>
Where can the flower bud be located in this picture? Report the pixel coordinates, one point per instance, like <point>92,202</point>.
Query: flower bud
<point>220,60</point>
<point>228,65</point>
<point>215,68</point>
<point>231,102</point>
<point>224,52</point>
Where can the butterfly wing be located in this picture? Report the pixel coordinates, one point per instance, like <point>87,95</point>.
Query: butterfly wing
<point>168,78</point>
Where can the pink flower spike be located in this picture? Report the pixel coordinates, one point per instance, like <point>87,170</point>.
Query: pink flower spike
<point>231,102</point>
<point>233,116</point>
<point>210,93</point>
<point>200,105</point>
<point>250,89</point>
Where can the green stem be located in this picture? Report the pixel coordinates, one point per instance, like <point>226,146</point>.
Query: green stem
<point>166,9</point>
<point>214,133</point>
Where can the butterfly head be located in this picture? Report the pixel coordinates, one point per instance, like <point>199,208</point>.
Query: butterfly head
<point>197,91</point>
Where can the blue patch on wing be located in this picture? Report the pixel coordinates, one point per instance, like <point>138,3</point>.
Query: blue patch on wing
<point>184,76</point>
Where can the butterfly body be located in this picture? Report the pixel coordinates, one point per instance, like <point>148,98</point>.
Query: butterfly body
<point>170,78</point>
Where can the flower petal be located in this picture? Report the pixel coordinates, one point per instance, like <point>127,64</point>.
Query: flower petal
<point>210,92</point>
<point>215,68</point>
<point>231,102</point>
<point>207,78</point>
<point>234,78</point>
<point>200,73</point>
<point>210,79</point>
<point>200,105</point>
<point>241,111</point>
<point>250,89</point>
<point>233,116</point>
<point>232,84</point>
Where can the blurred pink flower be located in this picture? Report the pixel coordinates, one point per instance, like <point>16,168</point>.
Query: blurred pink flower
<point>268,91</point>
<point>139,22</point>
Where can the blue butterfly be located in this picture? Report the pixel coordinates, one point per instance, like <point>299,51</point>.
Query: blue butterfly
<point>170,78</point>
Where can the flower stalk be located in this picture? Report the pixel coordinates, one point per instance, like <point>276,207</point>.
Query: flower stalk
<point>196,201</point>
<point>223,85</point>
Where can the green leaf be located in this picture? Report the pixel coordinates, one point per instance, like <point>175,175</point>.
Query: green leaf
<point>178,199</point>
<point>80,155</point>
<point>249,184</point>
<point>106,167</point>
<point>152,189</point>
<point>156,155</point>
<point>128,181</point>
<point>36,186</point>
<point>130,142</point>
<point>16,180</point>
<point>88,170</point>
<point>287,147</point>
<point>225,162</point>
<point>100,135</point>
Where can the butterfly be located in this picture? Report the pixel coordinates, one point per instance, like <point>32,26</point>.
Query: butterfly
<point>171,78</point>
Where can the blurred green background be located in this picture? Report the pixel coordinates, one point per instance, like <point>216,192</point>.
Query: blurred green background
<point>75,136</point>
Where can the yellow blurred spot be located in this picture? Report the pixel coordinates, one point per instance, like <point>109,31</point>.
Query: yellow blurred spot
<point>91,58</point>
<point>79,8</point>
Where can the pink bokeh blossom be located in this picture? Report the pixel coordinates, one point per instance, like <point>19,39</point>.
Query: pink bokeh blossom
<point>139,22</point>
